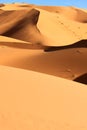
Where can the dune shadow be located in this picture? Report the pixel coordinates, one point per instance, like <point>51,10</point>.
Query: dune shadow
<point>1,4</point>
<point>79,44</point>
<point>25,5</point>
<point>21,45</point>
<point>82,79</point>
<point>30,18</point>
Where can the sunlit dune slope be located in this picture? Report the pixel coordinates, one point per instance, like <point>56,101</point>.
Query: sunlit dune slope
<point>16,6</point>
<point>61,29</point>
<point>8,39</point>
<point>15,43</point>
<point>70,12</point>
<point>47,28</point>
<point>34,101</point>
<point>39,25</point>
<point>39,47</point>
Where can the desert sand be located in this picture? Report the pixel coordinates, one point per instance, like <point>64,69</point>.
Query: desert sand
<point>43,67</point>
<point>35,101</point>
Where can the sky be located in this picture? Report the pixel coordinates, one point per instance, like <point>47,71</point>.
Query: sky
<point>78,3</point>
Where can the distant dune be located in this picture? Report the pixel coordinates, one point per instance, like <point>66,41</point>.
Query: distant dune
<point>72,13</point>
<point>45,28</point>
<point>43,53</point>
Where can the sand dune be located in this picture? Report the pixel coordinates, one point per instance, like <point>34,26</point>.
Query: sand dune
<point>16,6</point>
<point>79,44</point>
<point>20,25</point>
<point>34,101</point>
<point>43,48</point>
<point>69,12</point>
<point>1,5</point>
<point>7,39</point>
<point>11,42</point>
<point>65,31</point>
<point>59,32</point>
<point>68,63</point>
<point>28,25</point>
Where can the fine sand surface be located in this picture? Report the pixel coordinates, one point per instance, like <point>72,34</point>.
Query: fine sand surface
<point>35,101</point>
<point>70,63</point>
<point>43,48</point>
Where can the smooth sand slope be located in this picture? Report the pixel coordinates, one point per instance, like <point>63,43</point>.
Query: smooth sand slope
<point>69,63</point>
<point>35,101</point>
<point>70,12</point>
<point>11,42</point>
<point>38,45</point>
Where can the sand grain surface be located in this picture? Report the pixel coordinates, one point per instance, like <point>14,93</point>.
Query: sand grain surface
<point>43,54</point>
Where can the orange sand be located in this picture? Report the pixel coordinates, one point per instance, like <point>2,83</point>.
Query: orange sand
<point>42,48</point>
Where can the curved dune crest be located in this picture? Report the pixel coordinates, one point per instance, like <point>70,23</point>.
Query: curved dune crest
<point>79,44</point>
<point>22,26</point>
<point>32,94</point>
<point>32,100</point>
<point>55,30</point>
<point>68,11</point>
<point>59,30</point>
<point>37,28</point>
<point>67,63</point>
<point>28,24</point>
<point>11,42</point>
<point>9,39</point>
<point>16,6</point>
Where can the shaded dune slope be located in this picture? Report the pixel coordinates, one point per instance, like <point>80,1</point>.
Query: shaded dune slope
<point>80,44</point>
<point>21,25</point>
<point>1,4</point>
<point>82,79</point>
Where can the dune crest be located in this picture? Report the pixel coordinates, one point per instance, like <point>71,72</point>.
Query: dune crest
<point>69,12</point>
<point>48,29</point>
<point>23,27</point>
<point>43,67</point>
<point>27,24</point>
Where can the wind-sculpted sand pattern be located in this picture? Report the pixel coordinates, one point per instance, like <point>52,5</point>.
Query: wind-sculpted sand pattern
<point>43,67</point>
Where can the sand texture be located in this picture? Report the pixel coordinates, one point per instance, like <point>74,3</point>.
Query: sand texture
<point>43,67</point>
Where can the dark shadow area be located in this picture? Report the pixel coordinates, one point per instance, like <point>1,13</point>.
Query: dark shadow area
<point>23,27</point>
<point>26,5</point>
<point>79,44</point>
<point>31,18</point>
<point>82,79</point>
<point>1,4</point>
